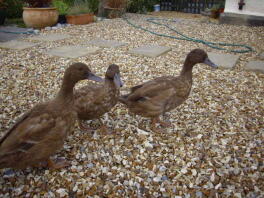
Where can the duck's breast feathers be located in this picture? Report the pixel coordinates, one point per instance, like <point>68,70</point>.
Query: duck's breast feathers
<point>87,96</point>
<point>94,100</point>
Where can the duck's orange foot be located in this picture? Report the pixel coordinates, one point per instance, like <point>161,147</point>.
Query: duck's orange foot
<point>61,163</point>
<point>162,124</point>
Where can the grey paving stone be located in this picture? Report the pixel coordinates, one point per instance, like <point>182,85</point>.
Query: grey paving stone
<point>105,43</point>
<point>72,51</point>
<point>8,33</point>
<point>17,45</point>
<point>257,66</point>
<point>50,37</point>
<point>150,50</point>
<point>261,55</point>
<point>227,61</point>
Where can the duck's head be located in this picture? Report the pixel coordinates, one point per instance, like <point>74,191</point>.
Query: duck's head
<point>200,56</point>
<point>113,73</point>
<point>80,71</point>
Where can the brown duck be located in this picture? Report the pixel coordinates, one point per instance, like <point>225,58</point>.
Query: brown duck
<point>41,132</point>
<point>94,100</point>
<point>155,97</point>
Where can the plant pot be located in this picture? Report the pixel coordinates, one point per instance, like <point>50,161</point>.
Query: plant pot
<point>2,15</point>
<point>40,17</point>
<point>114,12</point>
<point>221,10</point>
<point>62,19</point>
<point>80,19</point>
<point>215,14</point>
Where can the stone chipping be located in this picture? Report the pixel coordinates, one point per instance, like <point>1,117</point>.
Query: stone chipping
<point>214,147</point>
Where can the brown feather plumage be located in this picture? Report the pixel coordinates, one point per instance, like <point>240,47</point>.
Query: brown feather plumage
<point>163,94</point>
<point>40,132</point>
<point>94,100</point>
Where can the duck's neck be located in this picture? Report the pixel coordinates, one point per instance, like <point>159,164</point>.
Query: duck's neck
<point>66,92</point>
<point>109,83</point>
<point>187,69</point>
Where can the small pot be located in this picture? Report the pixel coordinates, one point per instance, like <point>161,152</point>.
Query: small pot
<point>62,19</point>
<point>215,14</point>
<point>2,15</point>
<point>80,19</point>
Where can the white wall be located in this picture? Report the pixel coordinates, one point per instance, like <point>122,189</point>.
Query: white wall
<point>251,7</point>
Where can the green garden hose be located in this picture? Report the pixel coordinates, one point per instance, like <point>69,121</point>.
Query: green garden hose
<point>213,45</point>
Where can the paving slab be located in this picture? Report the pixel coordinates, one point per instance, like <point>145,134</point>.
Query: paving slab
<point>106,43</point>
<point>257,66</point>
<point>17,45</point>
<point>261,55</point>
<point>50,37</point>
<point>72,51</point>
<point>150,50</point>
<point>8,33</point>
<point>227,61</point>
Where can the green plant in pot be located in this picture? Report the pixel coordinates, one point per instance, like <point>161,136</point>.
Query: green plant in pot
<point>39,13</point>
<point>2,11</point>
<point>62,8</point>
<point>82,12</point>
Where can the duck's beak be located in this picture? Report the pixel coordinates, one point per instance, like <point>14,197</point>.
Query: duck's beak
<point>117,80</point>
<point>207,61</point>
<point>93,77</point>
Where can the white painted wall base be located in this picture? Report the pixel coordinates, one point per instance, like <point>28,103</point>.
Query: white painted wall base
<point>251,7</point>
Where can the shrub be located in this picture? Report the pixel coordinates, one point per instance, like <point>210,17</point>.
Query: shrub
<point>141,6</point>
<point>14,8</point>
<point>61,6</point>
<point>38,3</point>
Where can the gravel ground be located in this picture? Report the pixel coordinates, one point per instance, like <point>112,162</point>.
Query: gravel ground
<point>213,149</point>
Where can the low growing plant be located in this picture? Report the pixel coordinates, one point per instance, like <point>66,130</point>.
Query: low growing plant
<point>79,7</point>
<point>141,6</point>
<point>61,6</point>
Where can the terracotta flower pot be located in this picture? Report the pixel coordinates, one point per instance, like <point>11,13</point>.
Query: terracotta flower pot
<point>80,19</point>
<point>40,17</point>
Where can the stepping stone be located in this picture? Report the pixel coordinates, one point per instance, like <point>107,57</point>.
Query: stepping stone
<point>257,66</point>
<point>72,51</point>
<point>50,37</point>
<point>261,55</point>
<point>105,43</point>
<point>17,45</point>
<point>8,33</point>
<point>227,61</point>
<point>8,36</point>
<point>150,50</point>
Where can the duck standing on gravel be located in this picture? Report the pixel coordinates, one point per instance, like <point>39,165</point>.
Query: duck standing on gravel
<point>41,132</point>
<point>155,97</point>
<point>94,100</point>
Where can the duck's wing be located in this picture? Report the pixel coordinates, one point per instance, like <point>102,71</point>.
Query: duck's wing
<point>159,89</point>
<point>27,132</point>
